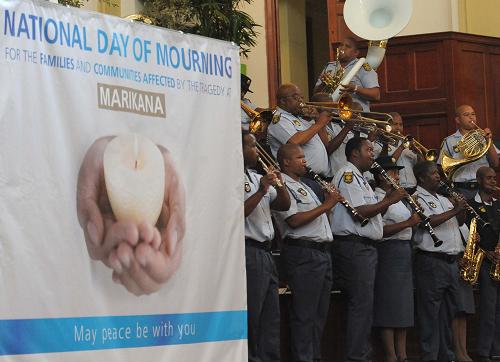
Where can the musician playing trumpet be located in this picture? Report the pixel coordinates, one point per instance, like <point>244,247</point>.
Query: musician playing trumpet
<point>393,298</point>
<point>364,86</point>
<point>488,341</point>
<point>464,178</point>
<point>261,194</point>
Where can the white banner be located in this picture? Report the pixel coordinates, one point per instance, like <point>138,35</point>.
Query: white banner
<point>121,218</point>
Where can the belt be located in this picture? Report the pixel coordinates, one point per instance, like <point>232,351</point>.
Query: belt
<point>264,245</point>
<point>450,259</point>
<point>471,185</point>
<point>321,246</point>
<point>355,238</point>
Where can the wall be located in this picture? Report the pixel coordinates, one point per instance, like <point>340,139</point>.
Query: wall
<point>480,17</point>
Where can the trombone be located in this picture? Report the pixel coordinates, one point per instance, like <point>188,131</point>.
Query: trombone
<point>428,154</point>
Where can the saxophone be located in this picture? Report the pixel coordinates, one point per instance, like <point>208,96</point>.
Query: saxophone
<point>473,256</point>
<point>495,268</point>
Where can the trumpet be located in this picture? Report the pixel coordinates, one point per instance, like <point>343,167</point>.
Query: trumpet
<point>257,118</point>
<point>469,208</point>
<point>413,204</point>
<point>408,141</point>
<point>269,165</point>
<point>330,188</point>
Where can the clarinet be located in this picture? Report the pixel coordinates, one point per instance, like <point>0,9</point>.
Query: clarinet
<point>329,188</point>
<point>413,204</point>
<point>469,208</point>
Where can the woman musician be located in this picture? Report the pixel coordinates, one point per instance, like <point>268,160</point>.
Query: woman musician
<point>393,300</point>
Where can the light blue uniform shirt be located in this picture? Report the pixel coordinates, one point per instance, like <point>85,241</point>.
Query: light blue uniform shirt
<point>302,199</point>
<point>395,214</point>
<point>364,79</point>
<point>408,159</point>
<point>245,120</point>
<point>314,150</point>
<point>465,173</point>
<point>448,231</point>
<point>258,225</point>
<point>356,190</point>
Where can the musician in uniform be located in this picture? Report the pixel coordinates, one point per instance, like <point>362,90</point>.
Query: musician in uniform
<point>393,301</point>
<point>488,207</point>
<point>354,250</point>
<point>245,88</point>
<point>261,194</point>
<point>436,268</point>
<point>464,178</point>
<point>307,238</point>
<point>364,86</point>
<point>404,156</point>
<point>288,126</point>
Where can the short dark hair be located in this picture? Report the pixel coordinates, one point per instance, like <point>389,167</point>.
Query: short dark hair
<point>422,168</point>
<point>285,150</point>
<point>353,144</point>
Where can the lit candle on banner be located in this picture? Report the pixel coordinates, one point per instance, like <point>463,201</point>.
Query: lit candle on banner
<point>134,172</point>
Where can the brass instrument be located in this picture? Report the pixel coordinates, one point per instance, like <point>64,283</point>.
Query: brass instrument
<point>331,81</point>
<point>495,268</point>
<point>257,118</point>
<point>473,145</point>
<point>409,140</point>
<point>330,188</point>
<point>473,256</point>
<point>413,204</point>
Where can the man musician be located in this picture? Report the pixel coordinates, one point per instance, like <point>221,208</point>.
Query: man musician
<point>261,194</point>
<point>364,86</point>
<point>488,344</point>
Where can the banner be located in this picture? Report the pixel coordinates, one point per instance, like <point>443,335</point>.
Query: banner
<point>121,211</point>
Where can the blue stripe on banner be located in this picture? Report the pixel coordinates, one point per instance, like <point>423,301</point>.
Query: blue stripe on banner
<point>27,336</point>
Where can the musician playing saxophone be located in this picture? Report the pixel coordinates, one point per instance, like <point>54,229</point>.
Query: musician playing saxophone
<point>488,343</point>
<point>364,86</point>
<point>465,178</point>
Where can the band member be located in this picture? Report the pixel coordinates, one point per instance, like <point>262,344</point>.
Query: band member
<point>488,341</point>
<point>406,157</point>
<point>307,238</point>
<point>465,178</point>
<point>393,304</point>
<point>245,88</point>
<point>354,252</point>
<point>364,86</point>
<point>289,127</point>
<point>261,194</point>
<point>436,268</point>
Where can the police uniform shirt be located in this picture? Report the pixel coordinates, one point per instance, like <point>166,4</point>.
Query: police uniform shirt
<point>283,127</point>
<point>245,120</point>
<point>466,173</point>
<point>302,199</point>
<point>356,190</point>
<point>395,213</point>
<point>407,159</point>
<point>258,225</point>
<point>363,78</point>
<point>448,231</point>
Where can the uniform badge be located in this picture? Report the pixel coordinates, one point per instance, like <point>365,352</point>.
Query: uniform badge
<point>482,209</point>
<point>347,177</point>
<point>432,204</point>
<point>297,122</point>
<point>276,117</point>
<point>247,187</point>
<point>367,67</point>
<point>302,191</point>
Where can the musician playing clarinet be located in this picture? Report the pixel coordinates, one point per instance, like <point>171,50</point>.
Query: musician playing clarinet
<point>354,250</point>
<point>393,301</point>
<point>436,268</point>
<point>261,194</point>
<point>488,341</point>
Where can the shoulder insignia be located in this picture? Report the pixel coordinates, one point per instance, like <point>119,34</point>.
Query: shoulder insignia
<point>348,177</point>
<point>367,67</point>
<point>482,209</point>
<point>247,187</point>
<point>297,122</point>
<point>432,204</point>
<point>276,117</point>
<point>302,191</point>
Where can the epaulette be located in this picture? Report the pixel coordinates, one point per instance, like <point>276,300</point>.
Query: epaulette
<point>276,117</point>
<point>367,67</point>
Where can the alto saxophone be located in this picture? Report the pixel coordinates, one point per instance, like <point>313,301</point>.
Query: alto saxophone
<point>495,268</point>
<point>473,256</point>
